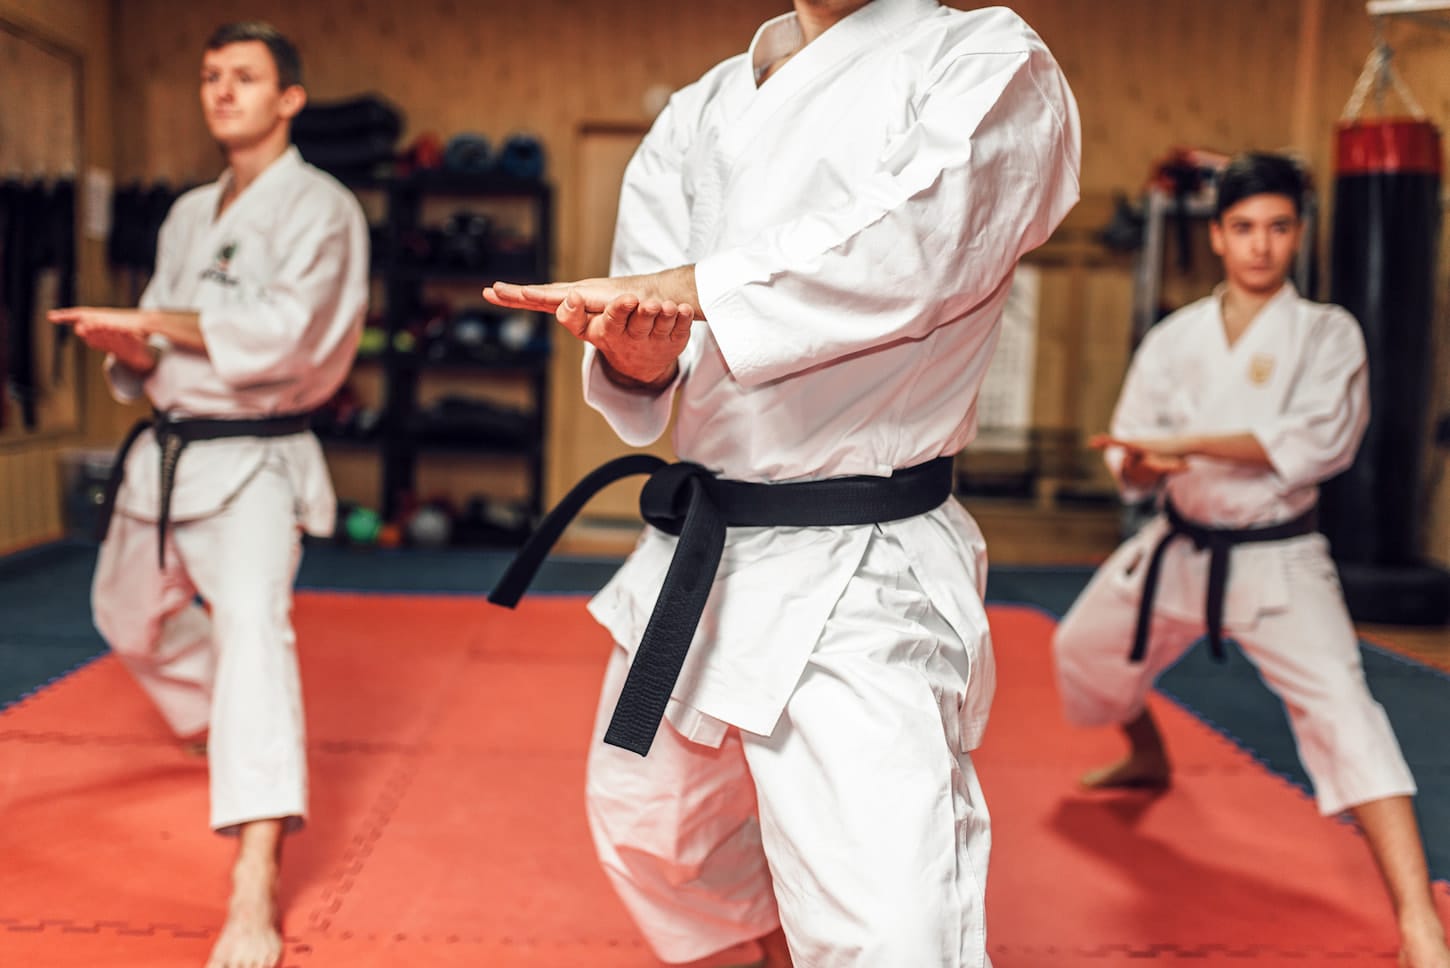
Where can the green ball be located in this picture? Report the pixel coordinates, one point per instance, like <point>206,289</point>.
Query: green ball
<point>363,525</point>
<point>405,342</point>
<point>373,341</point>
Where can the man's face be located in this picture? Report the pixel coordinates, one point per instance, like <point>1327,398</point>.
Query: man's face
<point>239,94</point>
<point>1257,238</point>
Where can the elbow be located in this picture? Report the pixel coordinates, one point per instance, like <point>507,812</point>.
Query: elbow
<point>241,372</point>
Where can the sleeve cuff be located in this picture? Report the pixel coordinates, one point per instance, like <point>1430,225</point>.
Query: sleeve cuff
<point>720,281</point>
<point>1281,457</point>
<point>1131,494</point>
<point>638,417</point>
<point>126,384</point>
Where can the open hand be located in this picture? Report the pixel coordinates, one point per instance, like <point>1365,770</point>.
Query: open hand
<point>640,335</point>
<point>1144,461</point>
<point>114,331</point>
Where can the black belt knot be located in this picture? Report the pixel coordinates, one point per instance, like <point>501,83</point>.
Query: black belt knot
<point>1219,543</point>
<point>687,500</point>
<point>172,436</point>
<point>669,493</point>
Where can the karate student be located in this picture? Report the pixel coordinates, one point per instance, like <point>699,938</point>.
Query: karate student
<point>250,322</point>
<point>1234,409</point>
<point>814,245</point>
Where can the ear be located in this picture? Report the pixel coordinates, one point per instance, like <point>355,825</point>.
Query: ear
<point>294,99</point>
<point>1215,236</point>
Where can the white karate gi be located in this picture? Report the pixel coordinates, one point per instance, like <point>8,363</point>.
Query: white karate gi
<point>1297,379</point>
<point>854,223</point>
<point>280,281</point>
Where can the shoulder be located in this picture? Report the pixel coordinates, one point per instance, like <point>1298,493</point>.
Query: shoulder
<point>1184,322</point>
<point>1176,334</point>
<point>195,203</point>
<point>988,30</point>
<point>967,51</point>
<point>314,195</point>
<point>1331,326</point>
<point>690,101</point>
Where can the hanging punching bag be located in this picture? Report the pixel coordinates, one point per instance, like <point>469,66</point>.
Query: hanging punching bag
<point>1386,230</point>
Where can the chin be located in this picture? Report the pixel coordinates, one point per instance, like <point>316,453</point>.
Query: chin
<point>232,138</point>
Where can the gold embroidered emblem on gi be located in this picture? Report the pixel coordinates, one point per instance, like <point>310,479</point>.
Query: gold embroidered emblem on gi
<point>1261,367</point>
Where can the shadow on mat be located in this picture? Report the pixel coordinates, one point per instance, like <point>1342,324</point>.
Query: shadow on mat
<point>1177,893</point>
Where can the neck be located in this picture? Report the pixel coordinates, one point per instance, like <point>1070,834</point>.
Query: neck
<point>1248,302</point>
<point>1242,306</point>
<point>249,161</point>
<point>818,16</point>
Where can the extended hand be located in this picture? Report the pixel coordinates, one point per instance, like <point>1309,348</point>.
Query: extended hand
<point>115,331</point>
<point>640,334</point>
<point>1145,461</point>
<point>92,316</point>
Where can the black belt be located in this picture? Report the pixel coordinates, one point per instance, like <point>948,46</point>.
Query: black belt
<point>1218,542</point>
<point>172,436</point>
<point>687,500</point>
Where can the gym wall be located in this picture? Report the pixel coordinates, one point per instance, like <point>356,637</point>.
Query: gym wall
<point>30,484</point>
<point>1149,75</point>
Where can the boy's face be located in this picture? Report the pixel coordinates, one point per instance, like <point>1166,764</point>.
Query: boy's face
<point>240,97</point>
<point>1257,239</point>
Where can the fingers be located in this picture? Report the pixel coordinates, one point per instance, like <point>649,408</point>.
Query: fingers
<point>510,296</point>
<point>573,316</point>
<point>547,297</point>
<point>1104,441</point>
<point>67,315</point>
<point>1164,464</point>
<point>613,322</point>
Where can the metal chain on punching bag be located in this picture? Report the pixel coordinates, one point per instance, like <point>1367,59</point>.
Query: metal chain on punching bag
<point>1386,232</point>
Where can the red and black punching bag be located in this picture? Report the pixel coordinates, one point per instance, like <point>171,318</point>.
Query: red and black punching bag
<point>1386,233</point>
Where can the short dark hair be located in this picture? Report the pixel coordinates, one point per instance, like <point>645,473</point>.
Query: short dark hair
<point>1260,173</point>
<point>284,53</point>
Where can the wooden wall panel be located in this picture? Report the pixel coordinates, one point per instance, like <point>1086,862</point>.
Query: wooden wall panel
<point>1149,75</point>
<point>30,485</point>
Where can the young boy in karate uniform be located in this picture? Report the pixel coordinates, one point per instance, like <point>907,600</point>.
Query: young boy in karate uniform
<point>1235,408</point>
<point>250,321</point>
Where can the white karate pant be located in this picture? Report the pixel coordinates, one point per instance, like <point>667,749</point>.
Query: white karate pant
<point>1307,653</point>
<point>230,667</point>
<point>857,824</point>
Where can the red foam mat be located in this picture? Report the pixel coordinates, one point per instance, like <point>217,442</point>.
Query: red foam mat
<point>447,744</point>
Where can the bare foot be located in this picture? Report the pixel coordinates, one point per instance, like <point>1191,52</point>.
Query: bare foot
<point>1422,943</point>
<point>1140,771</point>
<point>250,938</point>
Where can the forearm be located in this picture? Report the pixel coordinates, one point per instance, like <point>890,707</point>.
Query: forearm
<point>180,328</point>
<point>675,285</point>
<point>630,383</point>
<point>1242,448</point>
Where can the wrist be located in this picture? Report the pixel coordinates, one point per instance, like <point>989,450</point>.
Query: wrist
<point>1181,447</point>
<point>627,382</point>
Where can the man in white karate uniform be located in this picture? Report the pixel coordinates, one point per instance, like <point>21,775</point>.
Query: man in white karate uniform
<point>1234,410</point>
<point>250,322</point>
<point>814,245</point>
